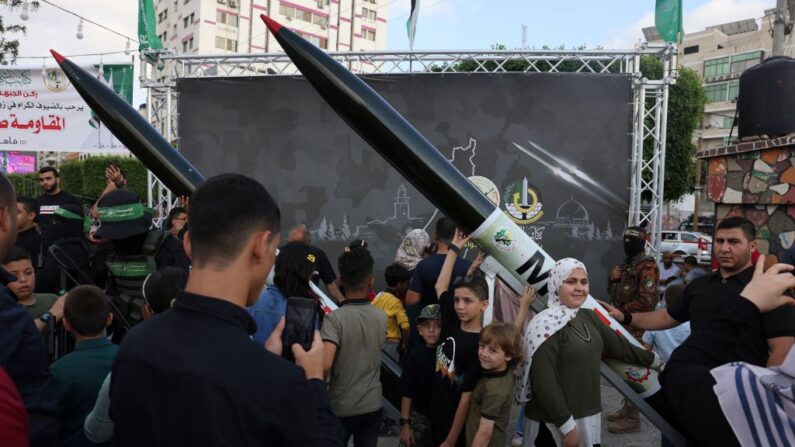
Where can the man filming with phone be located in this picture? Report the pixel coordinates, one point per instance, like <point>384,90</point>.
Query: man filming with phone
<point>193,376</point>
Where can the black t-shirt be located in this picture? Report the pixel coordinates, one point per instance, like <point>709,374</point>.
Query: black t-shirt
<point>415,382</point>
<point>423,280</point>
<point>46,206</point>
<point>450,319</point>
<point>325,272</point>
<point>699,303</point>
<point>30,241</point>
<point>457,369</point>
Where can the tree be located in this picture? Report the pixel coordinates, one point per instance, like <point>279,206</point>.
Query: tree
<point>9,48</point>
<point>686,100</point>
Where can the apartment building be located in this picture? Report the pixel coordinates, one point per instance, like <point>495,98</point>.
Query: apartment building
<point>234,26</point>
<point>719,54</point>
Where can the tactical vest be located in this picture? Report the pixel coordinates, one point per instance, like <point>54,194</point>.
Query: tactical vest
<point>128,273</point>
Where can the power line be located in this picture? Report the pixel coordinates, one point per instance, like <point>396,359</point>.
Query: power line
<point>89,20</point>
<point>79,55</point>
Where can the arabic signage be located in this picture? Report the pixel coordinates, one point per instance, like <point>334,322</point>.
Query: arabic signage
<point>41,111</point>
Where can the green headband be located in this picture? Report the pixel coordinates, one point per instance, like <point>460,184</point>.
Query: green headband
<point>122,213</point>
<point>66,214</point>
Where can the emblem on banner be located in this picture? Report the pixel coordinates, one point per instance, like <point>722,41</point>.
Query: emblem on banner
<point>503,240</point>
<point>56,80</point>
<point>523,202</point>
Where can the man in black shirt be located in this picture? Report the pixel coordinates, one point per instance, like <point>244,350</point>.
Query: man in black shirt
<point>765,339</point>
<point>325,272</point>
<point>22,351</point>
<point>193,376</point>
<point>52,199</point>
<point>28,237</point>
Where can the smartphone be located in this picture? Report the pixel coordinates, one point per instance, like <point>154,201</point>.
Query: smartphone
<point>111,163</point>
<point>300,321</point>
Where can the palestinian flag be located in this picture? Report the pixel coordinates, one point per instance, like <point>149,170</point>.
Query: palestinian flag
<point>411,23</point>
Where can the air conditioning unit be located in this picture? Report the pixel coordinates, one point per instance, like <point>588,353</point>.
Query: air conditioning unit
<point>233,3</point>
<point>320,4</point>
<point>222,2</point>
<point>324,26</point>
<point>289,17</point>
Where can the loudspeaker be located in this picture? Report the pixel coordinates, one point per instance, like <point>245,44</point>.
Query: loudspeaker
<point>766,103</point>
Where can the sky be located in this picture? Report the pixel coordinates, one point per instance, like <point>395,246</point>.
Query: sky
<point>443,24</point>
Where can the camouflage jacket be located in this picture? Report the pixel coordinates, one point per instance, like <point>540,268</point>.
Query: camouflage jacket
<point>636,291</point>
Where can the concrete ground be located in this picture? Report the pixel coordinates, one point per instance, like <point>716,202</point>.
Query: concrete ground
<point>611,401</point>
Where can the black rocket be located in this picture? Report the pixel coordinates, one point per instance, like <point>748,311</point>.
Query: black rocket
<point>387,131</point>
<point>133,130</point>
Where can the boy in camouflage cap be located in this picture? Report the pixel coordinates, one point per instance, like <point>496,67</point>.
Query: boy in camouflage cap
<point>416,381</point>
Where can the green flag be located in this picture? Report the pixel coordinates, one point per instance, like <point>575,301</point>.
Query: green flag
<point>147,33</point>
<point>668,19</point>
<point>411,23</point>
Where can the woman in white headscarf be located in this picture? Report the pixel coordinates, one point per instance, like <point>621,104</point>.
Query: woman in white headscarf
<point>564,346</point>
<point>412,249</point>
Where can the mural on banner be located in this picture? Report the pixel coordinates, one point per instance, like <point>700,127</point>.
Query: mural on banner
<point>41,111</point>
<point>551,150</point>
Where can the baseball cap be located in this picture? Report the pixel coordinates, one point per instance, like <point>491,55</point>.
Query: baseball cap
<point>430,312</point>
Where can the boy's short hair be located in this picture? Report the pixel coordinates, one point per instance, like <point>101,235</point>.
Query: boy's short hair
<point>506,337</point>
<point>16,254</point>
<point>86,309</point>
<point>396,273</point>
<point>476,284</point>
<point>445,229</point>
<point>673,294</point>
<point>29,203</point>
<point>356,267</point>
<point>690,260</point>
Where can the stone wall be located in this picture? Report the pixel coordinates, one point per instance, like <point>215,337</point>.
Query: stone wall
<point>760,186</point>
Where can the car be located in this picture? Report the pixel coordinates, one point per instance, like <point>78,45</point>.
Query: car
<point>687,243</point>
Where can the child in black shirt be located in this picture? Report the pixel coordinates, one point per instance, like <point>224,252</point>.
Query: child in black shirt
<point>416,428</point>
<point>457,364</point>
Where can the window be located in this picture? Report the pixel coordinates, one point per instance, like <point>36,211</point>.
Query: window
<point>225,44</point>
<point>691,50</point>
<point>689,237</point>
<point>320,42</point>
<point>306,16</point>
<point>369,14</point>
<point>716,67</point>
<point>185,22</point>
<point>741,62</point>
<point>174,28</point>
<point>226,18</point>
<point>162,16</point>
<point>727,122</point>
<point>668,236</point>
<point>368,34</point>
<point>715,92</point>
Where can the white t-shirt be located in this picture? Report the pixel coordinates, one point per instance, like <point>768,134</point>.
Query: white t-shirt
<point>666,273</point>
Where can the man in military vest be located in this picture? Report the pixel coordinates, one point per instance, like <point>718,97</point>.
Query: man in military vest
<point>632,288</point>
<point>126,222</point>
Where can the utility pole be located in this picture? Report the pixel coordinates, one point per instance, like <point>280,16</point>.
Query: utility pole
<point>781,26</point>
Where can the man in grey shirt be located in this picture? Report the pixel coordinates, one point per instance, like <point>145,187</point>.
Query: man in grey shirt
<point>353,336</point>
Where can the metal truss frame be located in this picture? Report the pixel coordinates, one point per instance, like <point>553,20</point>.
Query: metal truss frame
<point>160,71</point>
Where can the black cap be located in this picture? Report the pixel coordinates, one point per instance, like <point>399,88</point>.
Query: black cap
<point>121,215</point>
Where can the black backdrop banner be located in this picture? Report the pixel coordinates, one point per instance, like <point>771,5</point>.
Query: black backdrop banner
<point>552,149</point>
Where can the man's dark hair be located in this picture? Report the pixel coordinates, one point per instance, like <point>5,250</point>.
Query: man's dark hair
<point>445,229</point>
<point>47,169</point>
<point>16,254</point>
<point>673,294</point>
<point>738,222</point>
<point>162,286</point>
<point>293,270</point>
<point>356,267</point>
<point>86,309</point>
<point>29,203</point>
<point>176,211</point>
<point>224,212</point>
<point>396,273</point>
<point>690,260</point>
<point>8,195</point>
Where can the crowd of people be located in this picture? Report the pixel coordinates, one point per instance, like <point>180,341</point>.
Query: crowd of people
<point>115,333</point>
